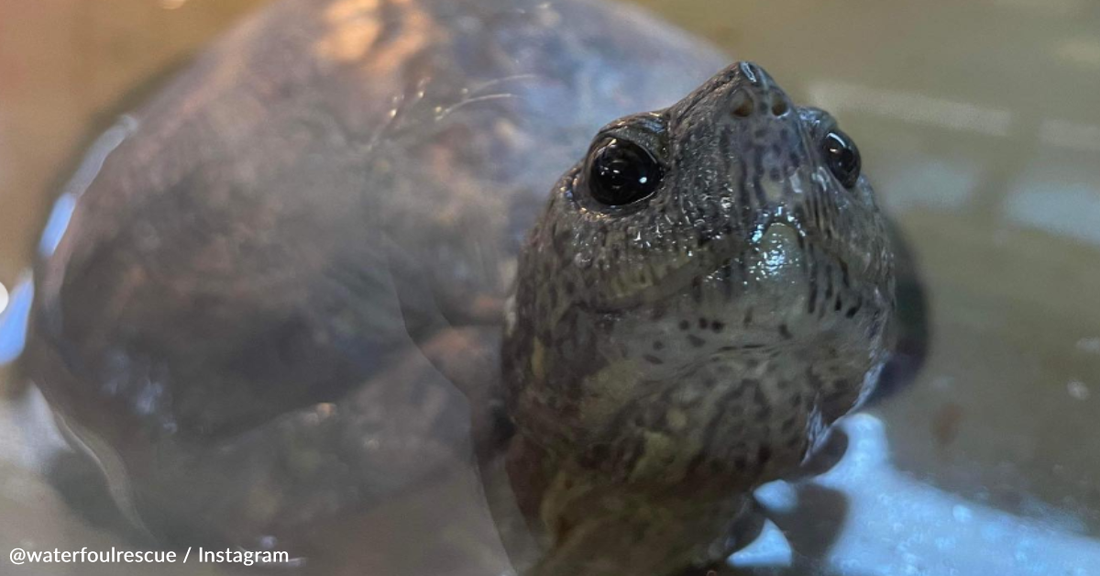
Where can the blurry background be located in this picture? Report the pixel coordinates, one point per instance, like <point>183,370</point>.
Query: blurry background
<point>978,123</point>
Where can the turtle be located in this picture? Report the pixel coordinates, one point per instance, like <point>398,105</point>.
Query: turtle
<point>357,244</point>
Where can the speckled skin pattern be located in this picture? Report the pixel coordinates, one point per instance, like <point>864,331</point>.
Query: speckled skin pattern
<point>667,356</point>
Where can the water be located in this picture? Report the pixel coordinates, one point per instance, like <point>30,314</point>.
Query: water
<point>978,124</point>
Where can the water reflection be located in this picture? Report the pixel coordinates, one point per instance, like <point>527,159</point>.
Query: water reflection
<point>883,521</point>
<point>58,221</point>
<point>770,551</point>
<point>13,318</point>
<point>911,107</point>
<point>1057,196</point>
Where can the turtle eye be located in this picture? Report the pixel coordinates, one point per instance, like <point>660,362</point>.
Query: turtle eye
<point>621,172</point>
<point>842,157</point>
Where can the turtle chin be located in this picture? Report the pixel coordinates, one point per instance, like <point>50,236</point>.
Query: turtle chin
<point>738,371</point>
<point>751,286</point>
<point>779,295</point>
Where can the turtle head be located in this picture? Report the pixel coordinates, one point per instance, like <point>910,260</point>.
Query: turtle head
<point>712,282</point>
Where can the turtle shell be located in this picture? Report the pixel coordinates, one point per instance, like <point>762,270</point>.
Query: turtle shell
<point>274,281</point>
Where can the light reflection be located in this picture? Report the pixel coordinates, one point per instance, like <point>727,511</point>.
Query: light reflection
<point>911,107</point>
<point>1078,390</point>
<point>897,525</point>
<point>1066,134</point>
<point>62,210</point>
<point>354,25</point>
<point>13,319</point>
<point>769,550</point>
<point>921,109</point>
<point>1083,51</point>
<point>3,297</point>
<point>30,421</point>
<point>56,224</point>
<point>922,179</point>
<point>1070,209</point>
<point>1090,345</point>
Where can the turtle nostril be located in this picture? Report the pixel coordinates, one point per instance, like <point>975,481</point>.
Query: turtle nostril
<point>779,106</point>
<point>742,105</point>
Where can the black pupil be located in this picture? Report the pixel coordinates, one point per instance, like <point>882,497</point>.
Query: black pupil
<point>842,157</point>
<point>622,172</point>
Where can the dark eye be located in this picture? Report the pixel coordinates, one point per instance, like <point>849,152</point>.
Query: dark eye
<point>621,172</point>
<point>842,157</point>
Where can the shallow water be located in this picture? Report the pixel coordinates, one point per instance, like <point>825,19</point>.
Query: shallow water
<point>978,124</point>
